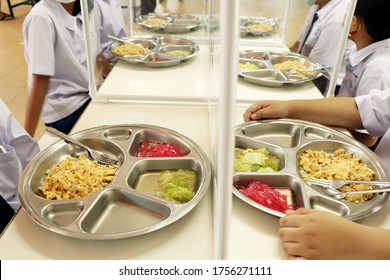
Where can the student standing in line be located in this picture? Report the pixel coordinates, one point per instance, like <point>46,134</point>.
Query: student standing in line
<point>57,67</point>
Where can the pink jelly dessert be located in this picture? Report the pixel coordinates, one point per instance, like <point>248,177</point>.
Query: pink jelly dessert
<point>270,197</point>
<point>150,149</point>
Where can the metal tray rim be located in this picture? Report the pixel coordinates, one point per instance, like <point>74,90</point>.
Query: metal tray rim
<point>178,210</point>
<point>342,138</point>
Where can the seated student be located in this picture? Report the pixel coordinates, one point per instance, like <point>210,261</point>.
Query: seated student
<point>369,65</point>
<point>320,40</point>
<point>17,148</point>
<point>311,234</point>
<point>57,69</point>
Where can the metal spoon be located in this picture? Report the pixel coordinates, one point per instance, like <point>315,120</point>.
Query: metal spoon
<point>340,195</point>
<point>120,40</point>
<point>101,157</point>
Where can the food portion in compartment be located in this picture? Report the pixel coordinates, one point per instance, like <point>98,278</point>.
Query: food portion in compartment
<point>76,177</point>
<point>154,21</point>
<point>153,149</point>
<point>260,27</point>
<point>159,59</point>
<point>295,67</point>
<point>278,198</point>
<point>169,23</point>
<point>341,165</point>
<point>256,57</point>
<point>177,185</point>
<point>248,66</point>
<point>130,49</point>
<point>255,160</point>
<point>179,53</point>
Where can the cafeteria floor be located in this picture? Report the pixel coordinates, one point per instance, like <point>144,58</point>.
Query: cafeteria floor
<point>13,68</point>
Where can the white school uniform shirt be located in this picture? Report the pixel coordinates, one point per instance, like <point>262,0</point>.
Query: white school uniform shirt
<point>17,149</point>
<point>322,43</point>
<point>55,47</point>
<point>375,115</point>
<point>368,68</point>
<point>112,23</point>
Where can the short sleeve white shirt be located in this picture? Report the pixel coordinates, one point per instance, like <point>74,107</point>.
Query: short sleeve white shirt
<point>112,23</point>
<point>19,148</point>
<point>375,115</point>
<point>321,45</point>
<point>55,47</point>
<point>368,68</point>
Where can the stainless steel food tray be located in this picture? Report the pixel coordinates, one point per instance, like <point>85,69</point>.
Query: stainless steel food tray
<point>159,46</point>
<point>120,210</point>
<point>268,76</point>
<point>287,139</point>
<point>174,23</point>
<point>245,31</point>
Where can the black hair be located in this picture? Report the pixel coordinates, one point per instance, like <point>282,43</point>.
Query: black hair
<point>76,8</point>
<point>376,17</point>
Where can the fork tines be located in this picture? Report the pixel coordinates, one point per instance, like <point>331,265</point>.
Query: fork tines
<point>321,182</point>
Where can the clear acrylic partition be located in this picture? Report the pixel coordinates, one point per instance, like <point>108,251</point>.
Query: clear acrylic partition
<point>206,80</point>
<point>139,80</point>
<point>287,18</point>
<point>273,14</point>
<point>192,16</point>
<point>291,16</point>
<point>290,24</point>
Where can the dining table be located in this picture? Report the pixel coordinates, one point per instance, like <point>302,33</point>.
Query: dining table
<point>184,99</point>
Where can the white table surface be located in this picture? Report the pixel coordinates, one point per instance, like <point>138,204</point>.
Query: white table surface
<point>253,233</point>
<point>190,82</point>
<point>191,237</point>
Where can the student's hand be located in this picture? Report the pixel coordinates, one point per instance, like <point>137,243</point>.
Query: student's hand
<point>294,48</point>
<point>311,234</point>
<point>270,109</point>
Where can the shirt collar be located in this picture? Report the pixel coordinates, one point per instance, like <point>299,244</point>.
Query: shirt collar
<point>357,57</point>
<point>60,12</point>
<point>324,11</point>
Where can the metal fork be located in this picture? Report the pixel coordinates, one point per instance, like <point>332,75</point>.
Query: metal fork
<point>336,184</point>
<point>330,187</point>
<point>101,157</point>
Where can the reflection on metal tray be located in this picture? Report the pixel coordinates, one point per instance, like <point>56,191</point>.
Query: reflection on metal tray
<point>288,139</point>
<point>170,23</point>
<point>161,51</point>
<point>258,26</point>
<point>122,209</point>
<point>268,75</point>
